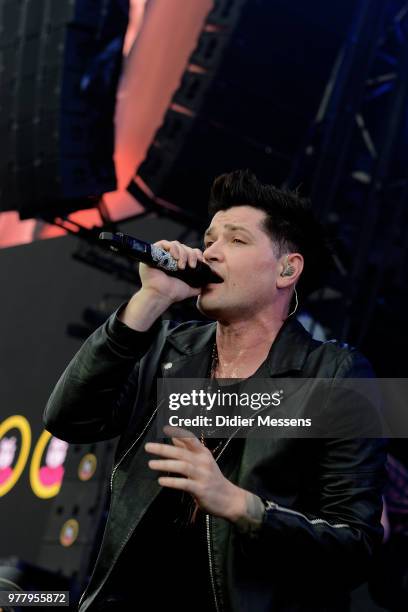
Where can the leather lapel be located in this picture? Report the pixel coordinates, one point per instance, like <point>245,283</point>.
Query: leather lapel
<point>188,354</point>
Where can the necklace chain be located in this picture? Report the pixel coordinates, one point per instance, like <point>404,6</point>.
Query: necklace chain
<point>214,360</point>
<point>213,367</point>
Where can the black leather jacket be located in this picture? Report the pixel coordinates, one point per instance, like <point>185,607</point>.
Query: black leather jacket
<point>323,520</point>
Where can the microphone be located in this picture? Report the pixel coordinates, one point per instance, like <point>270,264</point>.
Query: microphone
<point>158,258</point>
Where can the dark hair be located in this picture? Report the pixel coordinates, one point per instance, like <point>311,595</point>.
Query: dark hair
<point>290,222</point>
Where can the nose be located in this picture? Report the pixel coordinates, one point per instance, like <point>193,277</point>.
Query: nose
<point>213,252</point>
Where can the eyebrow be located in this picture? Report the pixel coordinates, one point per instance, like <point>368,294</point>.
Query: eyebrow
<point>231,227</point>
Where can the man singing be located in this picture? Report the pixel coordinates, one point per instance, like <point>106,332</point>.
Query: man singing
<point>233,524</point>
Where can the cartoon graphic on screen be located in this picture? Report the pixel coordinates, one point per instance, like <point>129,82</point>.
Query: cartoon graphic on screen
<point>8,447</point>
<point>53,470</point>
<point>47,465</point>
<point>15,444</point>
<point>87,466</point>
<point>69,532</point>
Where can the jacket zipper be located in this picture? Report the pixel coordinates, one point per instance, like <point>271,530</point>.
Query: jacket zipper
<point>208,529</point>
<point>270,505</point>
<point>208,525</point>
<point>210,561</point>
<point>115,467</point>
<point>208,532</point>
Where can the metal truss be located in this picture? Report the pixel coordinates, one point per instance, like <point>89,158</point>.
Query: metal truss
<point>354,160</point>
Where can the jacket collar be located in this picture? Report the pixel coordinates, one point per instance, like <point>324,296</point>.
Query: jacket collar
<point>288,352</point>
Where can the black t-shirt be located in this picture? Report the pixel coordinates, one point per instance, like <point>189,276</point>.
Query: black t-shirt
<point>165,562</point>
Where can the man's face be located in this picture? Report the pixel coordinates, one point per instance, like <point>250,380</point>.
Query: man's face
<point>241,252</point>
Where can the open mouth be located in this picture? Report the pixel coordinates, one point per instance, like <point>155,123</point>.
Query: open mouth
<point>216,278</point>
<point>211,286</point>
<point>214,283</point>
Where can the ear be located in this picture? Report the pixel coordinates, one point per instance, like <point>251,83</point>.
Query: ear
<point>290,267</point>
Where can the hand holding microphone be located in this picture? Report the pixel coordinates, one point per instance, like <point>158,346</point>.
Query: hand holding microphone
<point>157,257</point>
<point>174,288</point>
<point>169,271</point>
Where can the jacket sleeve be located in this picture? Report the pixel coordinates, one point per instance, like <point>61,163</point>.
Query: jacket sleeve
<point>92,400</point>
<point>333,543</point>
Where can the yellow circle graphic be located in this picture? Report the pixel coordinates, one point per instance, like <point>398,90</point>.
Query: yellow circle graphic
<point>69,532</point>
<point>19,422</point>
<point>87,466</point>
<point>41,490</point>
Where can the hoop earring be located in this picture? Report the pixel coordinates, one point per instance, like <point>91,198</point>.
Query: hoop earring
<point>296,305</point>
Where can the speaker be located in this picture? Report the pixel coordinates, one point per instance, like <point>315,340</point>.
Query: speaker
<point>78,513</point>
<point>59,66</point>
<point>248,94</point>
